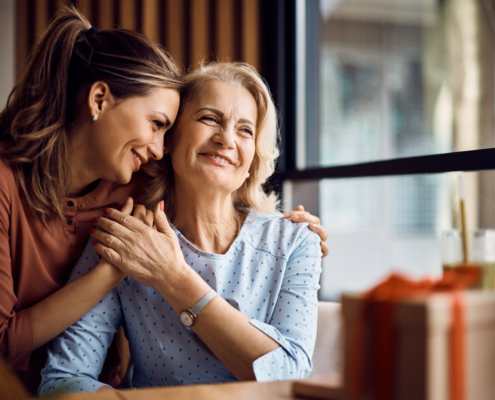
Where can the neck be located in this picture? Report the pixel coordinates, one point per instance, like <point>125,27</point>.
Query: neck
<point>210,222</point>
<point>83,178</point>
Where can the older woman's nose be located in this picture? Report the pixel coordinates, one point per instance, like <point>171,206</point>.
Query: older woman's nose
<point>226,137</point>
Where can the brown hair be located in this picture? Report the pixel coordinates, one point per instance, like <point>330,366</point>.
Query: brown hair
<point>67,59</point>
<point>252,194</point>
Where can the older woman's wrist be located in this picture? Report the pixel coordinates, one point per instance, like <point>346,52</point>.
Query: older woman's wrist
<point>185,290</point>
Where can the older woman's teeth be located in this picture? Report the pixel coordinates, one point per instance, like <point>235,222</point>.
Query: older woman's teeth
<point>221,159</point>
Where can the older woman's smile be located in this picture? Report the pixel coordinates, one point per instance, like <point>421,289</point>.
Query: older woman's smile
<point>218,159</point>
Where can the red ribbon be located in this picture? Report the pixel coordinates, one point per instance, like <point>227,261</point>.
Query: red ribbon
<point>378,309</point>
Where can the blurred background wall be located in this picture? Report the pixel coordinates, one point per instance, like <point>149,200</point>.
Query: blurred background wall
<point>7,59</point>
<point>191,30</point>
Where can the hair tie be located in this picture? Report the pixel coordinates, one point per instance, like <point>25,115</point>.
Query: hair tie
<point>91,30</point>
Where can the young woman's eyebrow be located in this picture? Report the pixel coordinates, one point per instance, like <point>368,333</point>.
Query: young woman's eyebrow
<point>167,120</point>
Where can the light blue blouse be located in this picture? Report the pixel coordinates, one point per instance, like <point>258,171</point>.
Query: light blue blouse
<point>270,274</point>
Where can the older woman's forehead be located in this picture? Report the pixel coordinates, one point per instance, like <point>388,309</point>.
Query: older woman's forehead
<point>225,97</point>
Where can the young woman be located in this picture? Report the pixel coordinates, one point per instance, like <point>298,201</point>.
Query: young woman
<point>230,291</point>
<point>89,109</point>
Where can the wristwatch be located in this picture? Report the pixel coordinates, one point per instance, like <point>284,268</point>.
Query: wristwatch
<point>188,317</point>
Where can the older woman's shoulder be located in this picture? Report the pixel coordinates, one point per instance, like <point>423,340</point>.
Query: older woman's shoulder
<point>276,235</point>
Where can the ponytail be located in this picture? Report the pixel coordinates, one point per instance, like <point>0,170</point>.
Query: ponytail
<point>68,58</point>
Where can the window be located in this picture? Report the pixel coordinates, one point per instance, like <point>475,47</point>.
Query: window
<point>382,102</point>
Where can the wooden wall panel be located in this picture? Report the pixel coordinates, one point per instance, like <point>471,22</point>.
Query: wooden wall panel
<point>200,43</point>
<point>86,8</point>
<point>41,16</point>
<point>251,32</point>
<point>151,13</point>
<point>60,4</point>
<point>127,14</point>
<point>190,29</point>
<point>175,30</point>
<point>105,14</point>
<point>22,42</point>
<point>225,30</point>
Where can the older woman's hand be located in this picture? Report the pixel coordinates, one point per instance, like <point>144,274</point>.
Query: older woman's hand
<point>151,255</point>
<point>299,215</point>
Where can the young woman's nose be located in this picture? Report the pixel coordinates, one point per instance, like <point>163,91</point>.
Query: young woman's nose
<point>155,149</point>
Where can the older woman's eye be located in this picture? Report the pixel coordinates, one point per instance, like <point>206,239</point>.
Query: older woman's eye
<point>247,131</point>
<point>209,118</point>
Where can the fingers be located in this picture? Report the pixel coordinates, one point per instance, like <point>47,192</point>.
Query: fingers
<point>302,216</point>
<point>161,221</point>
<point>144,215</point>
<point>150,218</point>
<point>324,249</point>
<point>320,230</point>
<point>108,254</point>
<point>300,208</point>
<point>111,227</point>
<point>125,220</point>
<point>108,239</point>
<point>127,209</point>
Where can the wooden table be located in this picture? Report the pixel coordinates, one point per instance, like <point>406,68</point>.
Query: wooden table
<point>281,390</point>
<point>238,391</point>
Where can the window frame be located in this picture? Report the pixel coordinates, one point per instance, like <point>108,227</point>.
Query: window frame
<point>279,67</point>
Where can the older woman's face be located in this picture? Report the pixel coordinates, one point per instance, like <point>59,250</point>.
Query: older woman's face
<point>214,139</point>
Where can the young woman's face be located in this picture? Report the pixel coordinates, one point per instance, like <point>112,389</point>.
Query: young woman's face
<point>213,143</point>
<point>128,133</point>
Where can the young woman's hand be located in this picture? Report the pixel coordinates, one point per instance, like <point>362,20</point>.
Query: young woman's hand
<point>149,254</point>
<point>115,273</point>
<point>299,215</point>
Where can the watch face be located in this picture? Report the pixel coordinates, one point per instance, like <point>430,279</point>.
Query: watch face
<point>186,318</point>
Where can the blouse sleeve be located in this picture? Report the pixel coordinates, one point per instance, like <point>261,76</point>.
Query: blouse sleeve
<point>16,337</point>
<point>293,324</point>
<point>76,357</point>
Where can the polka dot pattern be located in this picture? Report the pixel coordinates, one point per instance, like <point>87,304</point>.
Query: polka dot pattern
<point>270,274</point>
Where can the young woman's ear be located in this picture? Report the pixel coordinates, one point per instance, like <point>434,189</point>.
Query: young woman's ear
<point>100,99</point>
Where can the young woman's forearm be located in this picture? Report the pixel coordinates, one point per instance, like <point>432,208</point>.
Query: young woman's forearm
<point>57,312</point>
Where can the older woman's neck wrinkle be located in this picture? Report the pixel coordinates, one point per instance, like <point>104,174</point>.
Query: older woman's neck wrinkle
<point>210,223</point>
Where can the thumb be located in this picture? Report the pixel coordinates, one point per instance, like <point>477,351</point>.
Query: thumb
<point>128,206</point>
<point>161,221</point>
<point>300,208</point>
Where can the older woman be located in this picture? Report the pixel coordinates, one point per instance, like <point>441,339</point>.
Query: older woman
<point>229,291</point>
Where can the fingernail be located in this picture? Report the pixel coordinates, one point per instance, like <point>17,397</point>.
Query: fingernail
<point>95,220</point>
<point>92,230</point>
<point>286,215</point>
<point>95,242</point>
<point>162,205</point>
<point>295,217</point>
<point>106,211</point>
<point>314,225</point>
<point>129,200</point>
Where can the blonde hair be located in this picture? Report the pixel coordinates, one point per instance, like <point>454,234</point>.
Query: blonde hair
<point>68,58</point>
<point>253,192</point>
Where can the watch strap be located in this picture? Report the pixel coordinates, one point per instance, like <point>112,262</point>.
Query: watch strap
<point>195,309</point>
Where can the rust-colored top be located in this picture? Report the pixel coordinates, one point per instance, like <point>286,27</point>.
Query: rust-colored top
<point>35,263</point>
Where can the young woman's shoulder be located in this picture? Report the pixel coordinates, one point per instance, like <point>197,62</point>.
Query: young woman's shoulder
<point>7,179</point>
